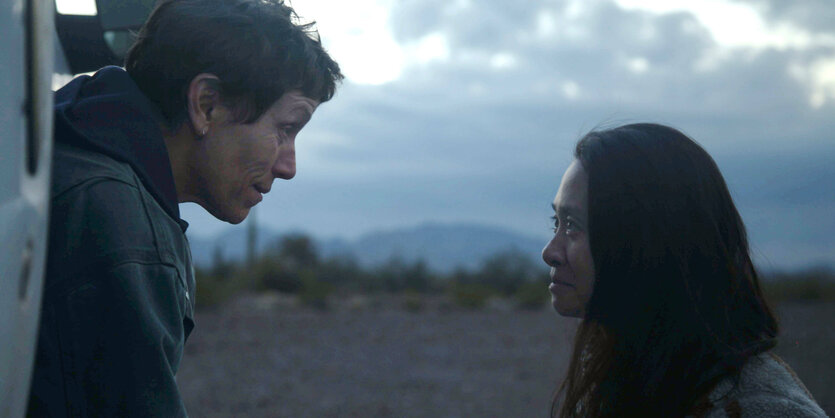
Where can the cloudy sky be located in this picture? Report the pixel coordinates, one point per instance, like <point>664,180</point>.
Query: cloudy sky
<point>467,110</point>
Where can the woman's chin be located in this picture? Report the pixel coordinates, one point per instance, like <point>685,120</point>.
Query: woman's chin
<point>567,310</point>
<point>238,216</point>
<point>233,215</point>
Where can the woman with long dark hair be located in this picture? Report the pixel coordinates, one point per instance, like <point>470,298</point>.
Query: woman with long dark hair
<point>650,251</point>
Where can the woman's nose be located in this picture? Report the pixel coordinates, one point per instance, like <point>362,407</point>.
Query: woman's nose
<point>285,163</point>
<point>552,253</point>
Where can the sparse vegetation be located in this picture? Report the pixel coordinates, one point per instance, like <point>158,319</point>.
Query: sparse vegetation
<point>531,296</point>
<point>412,301</point>
<point>399,308</point>
<point>314,292</point>
<point>471,295</point>
<point>814,284</point>
<point>293,266</point>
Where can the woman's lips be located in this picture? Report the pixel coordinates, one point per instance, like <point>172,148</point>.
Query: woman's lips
<point>257,197</point>
<point>556,282</point>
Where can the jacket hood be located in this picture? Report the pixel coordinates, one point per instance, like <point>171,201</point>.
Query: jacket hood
<point>107,113</point>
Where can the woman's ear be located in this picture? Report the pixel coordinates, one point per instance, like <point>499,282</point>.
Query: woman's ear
<point>203,98</point>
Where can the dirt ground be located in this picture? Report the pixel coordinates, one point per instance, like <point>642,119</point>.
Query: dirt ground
<point>264,356</point>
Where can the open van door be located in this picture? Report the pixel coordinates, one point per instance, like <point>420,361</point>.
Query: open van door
<point>25,150</point>
<point>35,45</point>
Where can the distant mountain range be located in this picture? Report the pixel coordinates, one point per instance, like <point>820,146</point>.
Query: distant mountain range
<point>442,246</point>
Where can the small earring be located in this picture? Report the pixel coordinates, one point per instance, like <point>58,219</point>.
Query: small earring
<point>205,129</point>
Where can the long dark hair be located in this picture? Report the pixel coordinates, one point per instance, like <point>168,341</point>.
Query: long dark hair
<point>676,303</point>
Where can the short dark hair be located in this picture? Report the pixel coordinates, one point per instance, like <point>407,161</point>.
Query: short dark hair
<point>256,48</point>
<point>676,293</point>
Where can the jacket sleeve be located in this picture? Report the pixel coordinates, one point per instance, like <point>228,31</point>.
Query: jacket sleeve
<point>766,390</point>
<point>765,405</point>
<point>113,320</point>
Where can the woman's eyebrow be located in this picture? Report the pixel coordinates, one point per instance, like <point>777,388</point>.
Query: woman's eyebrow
<point>300,114</point>
<point>567,210</point>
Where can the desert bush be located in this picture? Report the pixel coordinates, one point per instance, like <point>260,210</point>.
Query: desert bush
<point>412,301</point>
<point>213,288</point>
<point>816,283</point>
<point>271,273</point>
<point>800,289</point>
<point>531,295</point>
<point>471,295</point>
<point>344,272</point>
<point>298,250</point>
<point>507,271</point>
<point>281,269</point>
<point>397,275</point>
<point>220,266</point>
<point>314,292</point>
<point>417,277</point>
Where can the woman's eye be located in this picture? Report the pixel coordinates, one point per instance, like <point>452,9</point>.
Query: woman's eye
<point>570,226</point>
<point>287,129</point>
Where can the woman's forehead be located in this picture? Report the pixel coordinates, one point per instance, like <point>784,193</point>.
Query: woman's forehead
<point>573,192</point>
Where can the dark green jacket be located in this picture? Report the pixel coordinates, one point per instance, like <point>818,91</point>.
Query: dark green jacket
<point>118,297</point>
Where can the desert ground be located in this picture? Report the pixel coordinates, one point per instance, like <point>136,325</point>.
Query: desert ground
<point>267,356</point>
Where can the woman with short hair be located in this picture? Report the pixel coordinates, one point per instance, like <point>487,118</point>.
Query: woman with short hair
<point>650,251</point>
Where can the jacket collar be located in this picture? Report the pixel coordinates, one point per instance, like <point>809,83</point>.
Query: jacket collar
<point>107,113</point>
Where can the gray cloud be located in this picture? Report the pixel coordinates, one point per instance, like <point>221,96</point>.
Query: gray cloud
<point>816,15</point>
<point>459,140</point>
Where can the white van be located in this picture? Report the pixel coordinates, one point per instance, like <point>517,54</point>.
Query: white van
<point>39,50</point>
